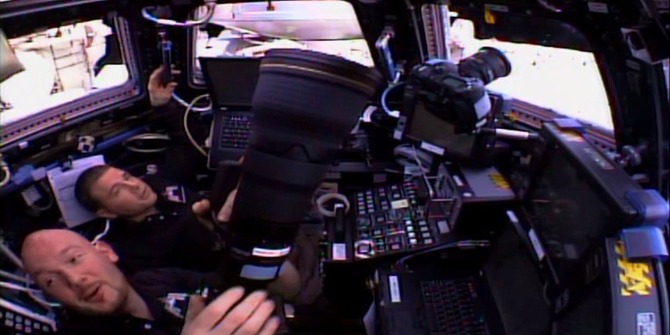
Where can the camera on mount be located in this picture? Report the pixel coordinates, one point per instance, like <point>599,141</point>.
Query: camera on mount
<point>445,104</point>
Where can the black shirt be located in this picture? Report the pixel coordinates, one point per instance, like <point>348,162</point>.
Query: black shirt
<point>155,286</point>
<point>173,238</point>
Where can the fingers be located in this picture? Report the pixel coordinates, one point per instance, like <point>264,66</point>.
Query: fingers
<point>270,327</point>
<point>227,209</point>
<point>201,207</point>
<point>241,313</point>
<point>208,317</point>
<point>257,320</point>
<point>155,76</point>
<point>195,305</point>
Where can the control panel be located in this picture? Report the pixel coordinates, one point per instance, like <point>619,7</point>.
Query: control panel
<point>396,218</point>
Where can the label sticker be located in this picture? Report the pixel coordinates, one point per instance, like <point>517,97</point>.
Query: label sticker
<point>432,148</point>
<point>339,252</point>
<point>270,253</point>
<point>646,324</point>
<point>539,251</point>
<point>598,7</point>
<point>499,181</point>
<point>399,204</point>
<point>489,17</point>
<point>394,289</point>
<point>635,277</point>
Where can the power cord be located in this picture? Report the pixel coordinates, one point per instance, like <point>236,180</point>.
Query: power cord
<point>101,235</point>
<point>331,196</point>
<point>7,175</point>
<point>185,123</point>
<point>415,161</point>
<point>383,99</point>
<point>186,104</point>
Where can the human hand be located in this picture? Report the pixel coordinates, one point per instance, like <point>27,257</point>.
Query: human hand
<point>250,317</point>
<point>202,208</point>
<point>159,94</point>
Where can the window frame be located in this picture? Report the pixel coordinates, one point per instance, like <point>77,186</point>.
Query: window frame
<point>22,131</point>
<point>528,114</point>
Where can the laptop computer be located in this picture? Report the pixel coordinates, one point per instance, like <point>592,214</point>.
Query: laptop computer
<point>505,296</point>
<point>231,82</point>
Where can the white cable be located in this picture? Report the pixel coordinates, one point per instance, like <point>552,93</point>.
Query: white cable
<point>188,132</point>
<point>8,174</point>
<point>385,95</point>
<point>211,5</point>
<point>407,156</point>
<point>185,104</point>
<point>101,235</point>
<point>330,196</point>
<point>423,174</point>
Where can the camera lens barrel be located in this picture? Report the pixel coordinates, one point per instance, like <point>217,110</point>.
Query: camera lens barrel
<point>304,106</point>
<point>488,64</point>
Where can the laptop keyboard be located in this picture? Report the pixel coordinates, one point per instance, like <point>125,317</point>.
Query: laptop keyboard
<point>235,131</point>
<point>449,307</point>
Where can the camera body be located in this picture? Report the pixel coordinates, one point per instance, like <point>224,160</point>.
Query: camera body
<point>457,99</point>
<point>446,104</point>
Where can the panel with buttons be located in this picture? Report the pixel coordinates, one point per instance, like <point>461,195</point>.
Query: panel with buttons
<point>392,218</point>
<point>17,319</point>
<point>235,131</point>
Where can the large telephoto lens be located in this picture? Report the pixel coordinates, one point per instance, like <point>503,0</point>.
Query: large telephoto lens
<point>304,106</point>
<point>488,64</point>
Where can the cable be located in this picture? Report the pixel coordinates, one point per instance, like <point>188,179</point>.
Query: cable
<point>186,104</point>
<point>416,162</point>
<point>101,235</point>
<point>6,172</point>
<point>663,292</point>
<point>431,193</point>
<point>50,197</point>
<point>211,6</point>
<point>385,94</point>
<point>188,132</point>
<point>146,136</point>
<point>459,244</point>
<point>330,196</point>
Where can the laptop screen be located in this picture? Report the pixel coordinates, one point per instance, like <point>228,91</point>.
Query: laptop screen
<point>231,81</point>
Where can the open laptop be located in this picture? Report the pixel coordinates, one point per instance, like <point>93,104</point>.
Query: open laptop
<point>231,82</point>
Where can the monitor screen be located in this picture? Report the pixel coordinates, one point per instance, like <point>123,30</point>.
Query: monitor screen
<point>566,213</point>
<point>231,81</point>
<point>427,127</point>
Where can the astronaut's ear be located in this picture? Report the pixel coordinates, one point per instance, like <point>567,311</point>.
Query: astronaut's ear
<point>107,250</point>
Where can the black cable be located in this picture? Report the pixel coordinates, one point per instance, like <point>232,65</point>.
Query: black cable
<point>663,295</point>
